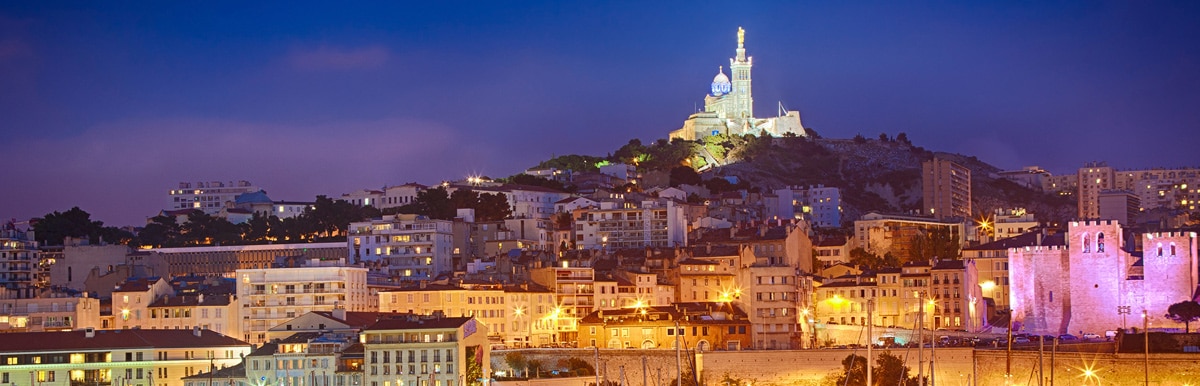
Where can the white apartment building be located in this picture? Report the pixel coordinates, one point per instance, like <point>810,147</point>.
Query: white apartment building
<point>625,224</point>
<point>819,205</point>
<point>117,357</point>
<point>49,314</point>
<point>426,351</point>
<point>575,296</point>
<point>515,315</point>
<point>526,201</point>
<point>270,296</point>
<point>19,256</point>
<point>209,197</point>
<point>399,195</point>
<point>414,247</point>
<point>212,312</point>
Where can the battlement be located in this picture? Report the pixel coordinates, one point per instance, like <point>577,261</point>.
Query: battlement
<point>1167,235</point>
<point>1039,248</point>
<point>1094,223</point>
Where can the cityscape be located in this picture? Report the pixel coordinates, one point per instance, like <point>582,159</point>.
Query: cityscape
<point>735,245</point>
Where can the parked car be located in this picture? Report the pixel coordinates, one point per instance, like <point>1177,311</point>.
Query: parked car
<point>1020,340</point>
<point>1068,338</point>
<point>1091,336</point>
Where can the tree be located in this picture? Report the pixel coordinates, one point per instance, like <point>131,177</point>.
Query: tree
<point>577,366</point>
<point>1184,312</point>
<point>862,258</point>
<point>434,203</point>
<point>55,227</point>
<point>684,175</point>
<point>516,361</point>
<point>492,207</point>
<point>889,370</point>
<point>854,371</point>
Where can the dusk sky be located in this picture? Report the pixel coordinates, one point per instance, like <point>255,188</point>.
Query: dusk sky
<point>107,107</point>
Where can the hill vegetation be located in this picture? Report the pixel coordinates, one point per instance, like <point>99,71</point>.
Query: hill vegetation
<point>877,174</point>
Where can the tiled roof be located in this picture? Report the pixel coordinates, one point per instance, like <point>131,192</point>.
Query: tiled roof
<point>113,339</point>
<point>237,371</point>
<point>136,285</point>
<point>356,319</point>
<point>300,337</point>
<point>418,323</point>
<point>1023,240</point>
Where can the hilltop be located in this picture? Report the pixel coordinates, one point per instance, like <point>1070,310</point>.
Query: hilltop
<point>878,174</point>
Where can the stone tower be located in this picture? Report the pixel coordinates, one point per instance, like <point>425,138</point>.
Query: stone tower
<point>1169,274</point>
<point>1099,270</point>
<point>742,96</point>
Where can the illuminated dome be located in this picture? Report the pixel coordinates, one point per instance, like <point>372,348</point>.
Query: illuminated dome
<point>720,84</point>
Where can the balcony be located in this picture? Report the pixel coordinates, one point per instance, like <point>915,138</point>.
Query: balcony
<point>90,383</point>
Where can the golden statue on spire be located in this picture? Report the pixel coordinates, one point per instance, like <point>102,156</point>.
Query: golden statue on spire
<point>741,36</point>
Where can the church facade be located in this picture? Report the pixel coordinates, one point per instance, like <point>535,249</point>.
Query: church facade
<point>729,108</point>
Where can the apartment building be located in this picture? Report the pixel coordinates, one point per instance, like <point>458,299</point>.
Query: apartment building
<point>19,258</point>
<point>700,326</point>
<point>49,314</point>
<point>575,296</point>
<point>626,224</point>
<point>211,312</point>
<point>208,196</point>
<point>426,351</point>
<point>224,260</point>
<point>945,189</point>
<point>125,357</point>
<point>412,247</point>
<point>269,296</point>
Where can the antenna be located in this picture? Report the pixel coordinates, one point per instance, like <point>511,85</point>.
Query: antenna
<point>782,110</point>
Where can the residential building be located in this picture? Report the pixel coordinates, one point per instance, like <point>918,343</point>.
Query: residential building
<point>1032,177</point>
<point>224,260</point>
<point>821,206</point>
<point>625,224</point>
<point>400,195</point>
<point>575,296</point>
<point>303,358</point>
<point>946,189</point>
<point>212,312</point>
<point>412,247</point>
<point>882,233</point>
<point>514,314</point>
<point>699,326</point>
<point>49,314</point>
<point>956,296</point>
<point>210,196</point>
<point>1093,178</point>
<point>270,296</point>
<point>426,351</point>
<point>1010,223</point>
<point>1120,205</point>
<point>131,301</point>
<point>127,357</point>
<point>21,256</point>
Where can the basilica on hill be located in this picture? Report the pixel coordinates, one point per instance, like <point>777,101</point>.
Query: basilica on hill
<point>729,109</point>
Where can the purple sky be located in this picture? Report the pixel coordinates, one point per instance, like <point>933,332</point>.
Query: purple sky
<point>107,108</point>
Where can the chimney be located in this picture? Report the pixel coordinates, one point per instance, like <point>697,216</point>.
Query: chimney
<point>89,332</point>
<point>339,312</point>
<point>196,331</point>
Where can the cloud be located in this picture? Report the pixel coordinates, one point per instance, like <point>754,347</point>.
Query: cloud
<point>120,172</point>
<point>325,58</point>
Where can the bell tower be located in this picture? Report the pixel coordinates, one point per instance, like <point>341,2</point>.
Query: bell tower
<point>742,96</point>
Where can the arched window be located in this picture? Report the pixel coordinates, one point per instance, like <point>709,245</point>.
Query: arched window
<point>1172,249</point>
<point>1085,243</point>
<point>1100,242</point>
<point>1159,249</point>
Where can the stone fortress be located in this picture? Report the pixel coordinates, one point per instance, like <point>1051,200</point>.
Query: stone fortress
<point>729,109</point>
<point>1093,281</point>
